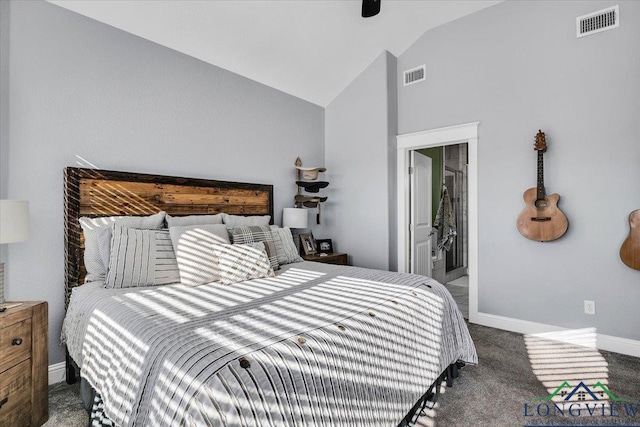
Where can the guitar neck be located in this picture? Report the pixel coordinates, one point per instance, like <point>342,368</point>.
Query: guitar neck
<point>541,193</point>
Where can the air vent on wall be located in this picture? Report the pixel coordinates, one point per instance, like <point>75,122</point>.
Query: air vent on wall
<point>596,22</point>
<point>414,75</point>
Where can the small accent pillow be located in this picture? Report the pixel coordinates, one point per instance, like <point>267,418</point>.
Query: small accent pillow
<point>141,258</point>
<point>93,262</point>
<point>178,221</point>
<point>193,246</point>
<point>232,221</point>
<point>242,262</point>
<point>286,249</point>
<point>255,234</point>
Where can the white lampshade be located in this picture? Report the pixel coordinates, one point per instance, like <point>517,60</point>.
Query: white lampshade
<point>295,218</point>
<point>14,221</point>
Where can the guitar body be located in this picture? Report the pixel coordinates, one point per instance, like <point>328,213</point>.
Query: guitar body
<point>630,250</point>
<point>541,220</point>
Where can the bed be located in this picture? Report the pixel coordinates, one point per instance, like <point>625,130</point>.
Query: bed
<point>298,343</point>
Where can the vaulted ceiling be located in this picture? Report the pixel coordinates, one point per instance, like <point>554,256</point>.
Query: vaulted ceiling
<point>311,49</point>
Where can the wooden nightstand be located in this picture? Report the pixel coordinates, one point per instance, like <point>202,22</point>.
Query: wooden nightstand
<point>24,361</point>
<point>333,258</point>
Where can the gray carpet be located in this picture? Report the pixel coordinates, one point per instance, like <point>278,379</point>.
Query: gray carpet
<point>493,393</point>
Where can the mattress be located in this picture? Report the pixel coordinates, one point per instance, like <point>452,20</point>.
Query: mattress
<point>316,345</point>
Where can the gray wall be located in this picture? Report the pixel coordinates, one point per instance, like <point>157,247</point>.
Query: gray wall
<point>80,89</point>
<point>358,125</point>
<point>518,67</point>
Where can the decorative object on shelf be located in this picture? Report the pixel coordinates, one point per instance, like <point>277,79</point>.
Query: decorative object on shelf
<point>325,246</point>
<point>310,186</point>
<point>310,173</point>
<point>541,219</point>
<point>310,201</point>
<point>14,227</point>
<point>630,250</point>
<point>308,243</point>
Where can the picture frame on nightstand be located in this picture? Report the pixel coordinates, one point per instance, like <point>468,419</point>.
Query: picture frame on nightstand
<point>324,246</point>
<point>308,243</point>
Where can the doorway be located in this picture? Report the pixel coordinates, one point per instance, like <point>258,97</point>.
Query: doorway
<point>464,188</point>
<point>447,195</point>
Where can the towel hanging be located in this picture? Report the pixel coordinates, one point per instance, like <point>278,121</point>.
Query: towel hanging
<point>445,223</point>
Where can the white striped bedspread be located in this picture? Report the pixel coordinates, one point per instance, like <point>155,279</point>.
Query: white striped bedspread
<point>317,345</point>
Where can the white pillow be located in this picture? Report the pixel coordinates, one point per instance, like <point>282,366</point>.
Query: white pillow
<point>232,221</point>
<point>242,262</point>
<point>177,221</point>
<point>96,268</point>
<point>103,236</point>
<point>193,246</point>
<point>286,249</point>
<point>141,258</point>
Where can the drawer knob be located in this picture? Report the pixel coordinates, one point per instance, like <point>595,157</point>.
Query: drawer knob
<point>3,401</point>
<point>16,341</point>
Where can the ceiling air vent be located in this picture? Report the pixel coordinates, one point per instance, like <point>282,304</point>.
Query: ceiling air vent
<point>596,22</point>
<point>414,75</point>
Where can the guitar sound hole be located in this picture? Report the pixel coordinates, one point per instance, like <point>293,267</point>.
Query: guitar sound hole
<point>541,204</point>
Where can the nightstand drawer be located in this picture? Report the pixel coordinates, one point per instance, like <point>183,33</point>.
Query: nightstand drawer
<point>332,258</point>
<point>15,344</point>
<point>15,395</point>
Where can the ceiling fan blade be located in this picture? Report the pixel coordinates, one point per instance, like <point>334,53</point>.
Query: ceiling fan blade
<point>370,8</point>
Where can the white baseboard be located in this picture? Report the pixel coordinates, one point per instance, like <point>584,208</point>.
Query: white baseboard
<point>603,342</point>
<point>56,373</point>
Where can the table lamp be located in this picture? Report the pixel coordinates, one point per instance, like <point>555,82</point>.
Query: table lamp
<point>14,227</point>
<point>295,218</point>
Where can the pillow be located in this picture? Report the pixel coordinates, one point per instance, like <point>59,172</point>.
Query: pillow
<point>286,249</point>
<point>255,234</point>
<point>176,221</point>
<point>141,258</point>
<point>232,221</point>
<point>242,262</point>
<point>103,237</point>
<point>193,246</point>
<point>96,268</point>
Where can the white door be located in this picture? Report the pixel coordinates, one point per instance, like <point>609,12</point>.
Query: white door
<point>420,221</point>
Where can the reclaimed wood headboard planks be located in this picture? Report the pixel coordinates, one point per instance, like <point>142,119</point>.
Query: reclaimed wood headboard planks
<point>95,192</point>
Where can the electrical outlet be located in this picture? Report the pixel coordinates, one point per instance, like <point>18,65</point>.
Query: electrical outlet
<point>589,307</point>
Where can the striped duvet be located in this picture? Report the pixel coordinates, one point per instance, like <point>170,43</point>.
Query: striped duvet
<point>317,345</point>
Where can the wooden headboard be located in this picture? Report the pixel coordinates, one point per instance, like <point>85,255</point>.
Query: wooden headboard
<point>95,192</point>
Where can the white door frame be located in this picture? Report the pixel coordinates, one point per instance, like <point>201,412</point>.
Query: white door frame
<point>459,134</point>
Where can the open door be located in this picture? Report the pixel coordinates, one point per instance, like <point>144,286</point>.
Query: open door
<point>420,220</point>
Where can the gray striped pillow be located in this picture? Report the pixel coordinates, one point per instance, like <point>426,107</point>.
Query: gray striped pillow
<point>286,249</point>
<point>93,261</point>
<point>141,258</point>
<point>256,234</point>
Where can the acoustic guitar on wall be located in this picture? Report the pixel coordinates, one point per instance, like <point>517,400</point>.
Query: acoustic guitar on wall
<point>541,219</point>
<point>630,250</point>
